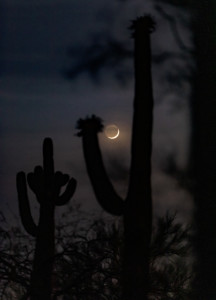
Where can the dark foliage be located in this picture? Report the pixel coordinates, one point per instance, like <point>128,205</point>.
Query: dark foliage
<point>87,263</point>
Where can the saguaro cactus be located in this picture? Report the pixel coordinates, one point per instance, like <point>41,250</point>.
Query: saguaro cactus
<point>46,184</point>
<point>136,209</point>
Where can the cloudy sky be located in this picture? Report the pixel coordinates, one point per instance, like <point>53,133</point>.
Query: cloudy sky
<point>40,41</point>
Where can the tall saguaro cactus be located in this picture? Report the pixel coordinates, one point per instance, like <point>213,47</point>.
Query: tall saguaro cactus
<point>136,209</point>
<point>46,184</point>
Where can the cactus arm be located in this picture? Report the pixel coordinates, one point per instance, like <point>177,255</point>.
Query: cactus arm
<point>24,206</point>
<point>104,191</point>
<point>34,180</point>
<point>46,184</point>
<point>103,188</point>
<point>67,194</point>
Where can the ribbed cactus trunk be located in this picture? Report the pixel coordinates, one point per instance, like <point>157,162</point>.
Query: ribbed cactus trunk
<point>41,279</point>
<point>137,207</point>
<point>46,184</point>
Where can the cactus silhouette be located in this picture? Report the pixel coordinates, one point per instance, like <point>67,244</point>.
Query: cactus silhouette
<point>46,185</point>
<point>136,209</point>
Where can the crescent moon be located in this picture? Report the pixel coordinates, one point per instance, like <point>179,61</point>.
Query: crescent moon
<point>112,131</point>
<point>115,136</point>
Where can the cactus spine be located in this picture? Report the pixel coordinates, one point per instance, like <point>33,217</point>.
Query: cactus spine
<point>46,185</point>
<point>136,209</point>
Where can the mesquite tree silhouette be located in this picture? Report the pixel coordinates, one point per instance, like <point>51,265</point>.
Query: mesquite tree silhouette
<point>46,184</point>
<point>137,207</point>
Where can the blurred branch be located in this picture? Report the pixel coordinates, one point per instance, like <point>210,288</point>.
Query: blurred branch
<point>174,29</point>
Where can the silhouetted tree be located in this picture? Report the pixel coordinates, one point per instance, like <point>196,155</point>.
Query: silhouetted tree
<point>137,208</point>
<point>88,261</point>
<point>46,184</point>
<point>203,154</point>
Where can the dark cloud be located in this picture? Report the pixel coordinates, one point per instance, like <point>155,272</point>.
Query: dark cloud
<point>103,54</point>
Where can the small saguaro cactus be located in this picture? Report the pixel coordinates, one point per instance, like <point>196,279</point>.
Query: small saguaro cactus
<point>136,209</point>
<point>46,185</point>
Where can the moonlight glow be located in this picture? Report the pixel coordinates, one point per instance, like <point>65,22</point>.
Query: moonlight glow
<point>112,131</point>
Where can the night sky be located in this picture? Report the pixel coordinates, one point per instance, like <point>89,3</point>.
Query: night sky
<point>40,41</point>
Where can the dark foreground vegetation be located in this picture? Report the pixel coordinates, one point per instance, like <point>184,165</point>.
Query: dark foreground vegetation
<point>87,261</point>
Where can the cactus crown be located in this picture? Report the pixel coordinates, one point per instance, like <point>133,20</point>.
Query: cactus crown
<point>143,24</point>
<point>89,124</point>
